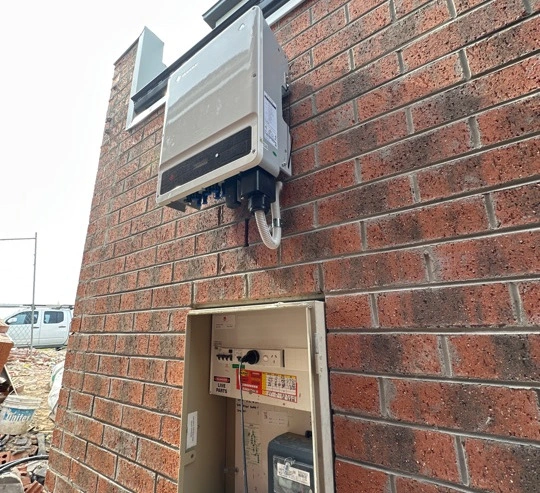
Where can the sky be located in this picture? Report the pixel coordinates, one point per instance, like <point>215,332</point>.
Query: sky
<point>57,65</point>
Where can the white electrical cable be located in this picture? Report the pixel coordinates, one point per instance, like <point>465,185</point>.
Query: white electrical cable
<point>271,238</point>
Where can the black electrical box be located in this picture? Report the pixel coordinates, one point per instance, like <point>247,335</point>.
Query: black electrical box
<point>290,464</point>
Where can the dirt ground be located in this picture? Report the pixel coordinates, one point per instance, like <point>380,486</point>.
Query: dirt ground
<point>31,372</point>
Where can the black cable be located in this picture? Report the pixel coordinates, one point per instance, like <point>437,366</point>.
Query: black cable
<point>242,424</point>
<point>10,465</point>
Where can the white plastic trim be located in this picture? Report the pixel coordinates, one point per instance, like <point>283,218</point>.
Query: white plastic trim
<point>271,238</point>
<point>283,11</point>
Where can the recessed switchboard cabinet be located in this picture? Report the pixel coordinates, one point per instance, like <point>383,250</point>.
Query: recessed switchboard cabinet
<point>262,366</point>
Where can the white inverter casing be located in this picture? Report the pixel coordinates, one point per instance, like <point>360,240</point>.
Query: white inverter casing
<point>224,111</point>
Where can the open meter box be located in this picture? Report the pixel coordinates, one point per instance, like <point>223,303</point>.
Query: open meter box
<point>286,438</point>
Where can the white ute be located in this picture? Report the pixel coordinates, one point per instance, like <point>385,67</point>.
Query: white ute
<point>51,326</point>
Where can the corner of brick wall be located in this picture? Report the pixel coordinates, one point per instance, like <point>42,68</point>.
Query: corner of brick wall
<point>413,210</point>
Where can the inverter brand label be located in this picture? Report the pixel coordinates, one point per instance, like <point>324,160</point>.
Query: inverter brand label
<point>275,385</point>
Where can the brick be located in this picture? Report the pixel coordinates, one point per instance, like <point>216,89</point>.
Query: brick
<point>357,82</point>
<point>154,276</point>
<point>362,138</point>
<point>355,393</point>
<point>172,296</point>
<point>223,238</point>
<point>133,210</point>
<point>88,429</point>
<point>347,36</point>
<point>154,321</point>
<point>134,477</point>
<point>462,31</point>
<point>148,221</point>
<point>408,485</point>
<point>326,124</point>
<point>303,160</point>
<point>502,467</point>
<point>143,258</point>
<point>293,28</point>
<point>496,166</point>
<point>163,399</point>
<point>493,257</point>
<point>300,112</point>
<point>318,31</point>
<point>316,185</point>
<point>62,462</point>
<point>131,344</point>
<point>137,300</point>
<point>404,449</point>
<point>512,120</point>
<point>405,7</point>
<point>175,373</point>
<point>405,354</point>
<point>101,343</point>
<point>323,243</point>
<point>120,441</point>
<point>96,384</point>
<point>518,206</point>
<point>81,403</point>
<point>165,486</point>
<point>530,295</point>
<point>313,80</point>
<point>504,47</point>
<point>74,447</point>
<point>180,248</point>
<point>300,67</point>
<point>170,430</point>
<point>414,86</point>
<point>102,461</point>
<point>164,460</point>
<point>354,477</point>
<point>248,258</point>
<point>399,33</point>
<point>445,220</point>
<point>166,345</point>
<point>198,221</point>
<point>83,477</point>
<point>118,322</point>
<point>195,268</point>
<point>468,306</point>
<point>322,8</point>
<point>105,410</point>
<point>288,282</point>
<point>126,390</point>
<point>365,200</point>
<point>107,304</point>
<point>472,408</point>
<point>297,220</point>
<point>496,357</point>
<point>141,421</point>
<point>348,312</point>
<point>157,236</point>
<point>358,8</point>
<point>478,94</point>
<point>219,289</point>
<point>429,148</point>
<point>113,365</point>
<point>106,486</point>
<point>147,369</point>
<point>367,271</point>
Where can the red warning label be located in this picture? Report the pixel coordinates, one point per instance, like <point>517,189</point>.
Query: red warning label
<point>275,385</point>
<point>222,379</point>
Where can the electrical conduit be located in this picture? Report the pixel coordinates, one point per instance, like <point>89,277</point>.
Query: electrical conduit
<point>271,236</point>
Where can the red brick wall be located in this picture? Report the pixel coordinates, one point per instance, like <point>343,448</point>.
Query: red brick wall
<point>412,210</point>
